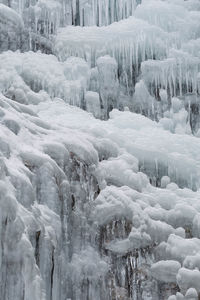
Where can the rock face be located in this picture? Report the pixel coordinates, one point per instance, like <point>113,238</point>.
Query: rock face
<point>99,150</point>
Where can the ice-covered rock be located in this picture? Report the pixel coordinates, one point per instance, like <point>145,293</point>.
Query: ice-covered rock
<point>188,279</point>
<point>191,294</point>
<point>165,271</point>
<point>95,202</point>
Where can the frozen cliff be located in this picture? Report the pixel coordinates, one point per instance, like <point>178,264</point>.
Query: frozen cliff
<point>99,150</point>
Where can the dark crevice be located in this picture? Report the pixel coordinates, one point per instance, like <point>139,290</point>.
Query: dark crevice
<point>37,247</point>
<point>52,273</point>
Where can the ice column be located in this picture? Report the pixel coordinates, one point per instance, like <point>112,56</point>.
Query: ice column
<point>108,83</point>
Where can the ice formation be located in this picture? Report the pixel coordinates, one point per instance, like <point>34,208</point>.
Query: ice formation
<point>99,150</point>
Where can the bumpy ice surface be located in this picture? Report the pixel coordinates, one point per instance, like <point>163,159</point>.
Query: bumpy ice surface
<point>99,150</point>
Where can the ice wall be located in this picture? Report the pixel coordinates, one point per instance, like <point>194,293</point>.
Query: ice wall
<point>99,150</point>
<point>42,18</point>
<point>158,44</point>
<point>88,223</point>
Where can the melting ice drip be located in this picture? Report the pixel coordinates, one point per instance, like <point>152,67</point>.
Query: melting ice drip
<point>99,150</point>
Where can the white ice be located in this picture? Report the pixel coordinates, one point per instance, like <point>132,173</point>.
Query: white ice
<point>99,149</point>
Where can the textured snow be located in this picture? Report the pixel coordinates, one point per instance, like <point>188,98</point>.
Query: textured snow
<point>99,150</point>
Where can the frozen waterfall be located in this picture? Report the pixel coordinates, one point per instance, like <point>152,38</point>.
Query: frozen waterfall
<point>99,149</point>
